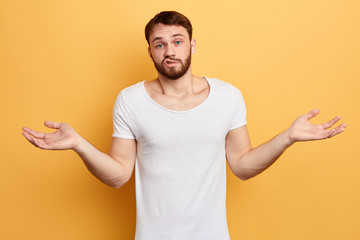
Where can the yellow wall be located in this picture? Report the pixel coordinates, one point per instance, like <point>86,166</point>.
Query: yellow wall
<point>66,60</point>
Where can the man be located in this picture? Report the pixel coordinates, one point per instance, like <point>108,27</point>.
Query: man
<point>178,129</point>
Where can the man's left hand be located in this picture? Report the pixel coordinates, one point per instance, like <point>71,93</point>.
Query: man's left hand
<point>302,130</point>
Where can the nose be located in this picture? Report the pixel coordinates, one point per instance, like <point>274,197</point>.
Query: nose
<point>169,51</point>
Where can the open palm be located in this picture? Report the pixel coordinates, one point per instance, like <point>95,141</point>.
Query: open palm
<point>63,138</point>
<point>303,130</point>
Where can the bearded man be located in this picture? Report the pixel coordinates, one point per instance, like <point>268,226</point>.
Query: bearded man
<point>178,130</point>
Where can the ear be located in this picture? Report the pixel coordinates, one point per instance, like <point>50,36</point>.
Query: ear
<point>149,52</point>
<point>193,46</point>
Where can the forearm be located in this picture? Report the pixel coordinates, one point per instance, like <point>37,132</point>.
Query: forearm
<point>108,170</point>
<point>246,162</point>
<point>260,158</point>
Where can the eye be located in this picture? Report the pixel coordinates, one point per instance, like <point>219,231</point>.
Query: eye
<point>159,45</point>
<point>177,42</point>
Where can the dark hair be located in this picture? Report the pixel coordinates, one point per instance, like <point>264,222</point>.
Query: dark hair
<point>168,18</point>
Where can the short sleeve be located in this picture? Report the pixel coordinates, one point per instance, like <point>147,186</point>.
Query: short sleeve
<point>121,120</point>
<point>239,114</point>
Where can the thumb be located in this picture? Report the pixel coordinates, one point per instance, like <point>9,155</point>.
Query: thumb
<point>53,125</point>
<point>312,113</point>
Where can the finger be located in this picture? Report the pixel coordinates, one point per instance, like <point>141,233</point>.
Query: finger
<point>30,138</point>
<point>54,125</point>
<point>312,113</point>
<point>329,133</point>
<point>34,133</point>
<point>338,129</point>
<point>40,143</point>
<point>331,122</point>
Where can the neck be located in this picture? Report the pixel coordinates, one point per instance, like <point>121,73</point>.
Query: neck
<point>179,87</point>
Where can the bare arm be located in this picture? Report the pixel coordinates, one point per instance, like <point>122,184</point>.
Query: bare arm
<point>246,162</point>
<point>113,169</point>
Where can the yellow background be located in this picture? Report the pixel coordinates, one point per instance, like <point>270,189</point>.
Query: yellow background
<point>66,60</point>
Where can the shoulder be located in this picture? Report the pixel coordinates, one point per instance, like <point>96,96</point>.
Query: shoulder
<point>130,93</point>
<point>222,86</point>
<point>133,89</point>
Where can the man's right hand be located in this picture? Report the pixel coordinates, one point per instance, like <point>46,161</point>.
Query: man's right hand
<point>113,169</point>
<point>65,137</point>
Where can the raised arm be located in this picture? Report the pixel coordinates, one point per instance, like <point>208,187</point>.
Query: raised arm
<point>246,162</point>
<point>113,169</point>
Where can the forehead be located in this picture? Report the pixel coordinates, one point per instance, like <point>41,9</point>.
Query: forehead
<point>161,31</point>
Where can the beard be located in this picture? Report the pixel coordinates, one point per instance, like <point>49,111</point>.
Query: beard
<point>173,73</point>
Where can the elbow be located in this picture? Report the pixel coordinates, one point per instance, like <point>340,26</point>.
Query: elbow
<point>117,183</point>
<point>244,178</point>
<point>247,173</point>
<point>117,186</point>
<point>118,180</point>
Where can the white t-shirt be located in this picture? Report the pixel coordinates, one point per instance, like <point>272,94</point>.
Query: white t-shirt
<point>180,170</point>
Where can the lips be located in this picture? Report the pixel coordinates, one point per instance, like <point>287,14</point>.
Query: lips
<point>170,62</point>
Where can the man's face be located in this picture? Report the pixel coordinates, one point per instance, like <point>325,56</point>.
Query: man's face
<point>170,49</point>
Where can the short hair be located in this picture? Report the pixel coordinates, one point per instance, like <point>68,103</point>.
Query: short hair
<point>168,18</point>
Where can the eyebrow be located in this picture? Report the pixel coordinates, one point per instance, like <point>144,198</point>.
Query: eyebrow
<point>175,35</point>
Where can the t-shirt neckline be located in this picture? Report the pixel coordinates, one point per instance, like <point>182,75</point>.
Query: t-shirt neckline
<point>175,111</point>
